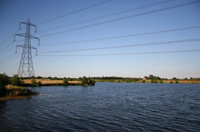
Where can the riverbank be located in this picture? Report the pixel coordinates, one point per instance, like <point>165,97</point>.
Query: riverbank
<point>16,92</point>
<point>149,81</point>
<point>49,82</point>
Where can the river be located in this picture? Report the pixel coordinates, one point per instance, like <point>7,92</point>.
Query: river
<point>105,107</point>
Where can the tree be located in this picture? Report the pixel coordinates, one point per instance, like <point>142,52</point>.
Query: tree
<point>174,78</point>
<point>4,80</point>
<point>84,80</point>
<point>16,80</point>
<point>33,82</point>
<point>151,77</point>
<point>65,81</point>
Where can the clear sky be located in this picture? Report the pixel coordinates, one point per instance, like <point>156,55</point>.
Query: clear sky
<point>72,37</point>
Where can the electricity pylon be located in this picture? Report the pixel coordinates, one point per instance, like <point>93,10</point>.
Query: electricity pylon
<point>26,64</point>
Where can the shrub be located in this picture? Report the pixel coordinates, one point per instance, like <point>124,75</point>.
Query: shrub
<point>16,80</point>
<point>91,82</point>
<point>65,81</point>
<point>4,80</point>
<point>33,82</point>
<point>39,83</point>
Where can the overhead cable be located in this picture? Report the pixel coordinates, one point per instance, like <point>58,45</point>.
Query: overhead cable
<point>10,66</point>
<point>6,48</point>
<point>10,59</point>
<point>130,45</point>
<point>135,53</point>
<point>122,18</point>
<point>8,38</point>
<point>109,15</point>
<point>123,36</point>
<point>73,12</point>
<point>7,58</point>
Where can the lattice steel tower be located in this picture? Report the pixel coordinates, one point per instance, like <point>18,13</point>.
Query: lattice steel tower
<point>26,64</point>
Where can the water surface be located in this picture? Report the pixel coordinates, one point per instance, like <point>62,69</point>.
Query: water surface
<point>106,107</point>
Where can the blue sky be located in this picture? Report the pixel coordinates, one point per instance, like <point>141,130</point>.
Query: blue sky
<point>72,64</point>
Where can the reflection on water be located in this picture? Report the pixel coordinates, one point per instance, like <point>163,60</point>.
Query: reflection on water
<point>106,107</point>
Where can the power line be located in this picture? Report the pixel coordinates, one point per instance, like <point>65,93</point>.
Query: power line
<point>123,36</point>
<point>136,53</point>
<point>8,38</point>
<point>5,49</point>
<point>122,18</point>
<point>73,12</point>
<point>7,58</point>
<point>10,66</point>
<point>11,59</point>
<point>125,46</point>
<point>101,17</point>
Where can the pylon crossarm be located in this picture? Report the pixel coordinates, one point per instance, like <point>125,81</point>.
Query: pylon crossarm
<point>34,26</point>
<point>26,23</point>
<point>36,38</point>
<point>20,34</point>
<point>19,46</point>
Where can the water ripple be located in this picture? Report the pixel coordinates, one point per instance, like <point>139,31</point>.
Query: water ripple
<point>106,107</point>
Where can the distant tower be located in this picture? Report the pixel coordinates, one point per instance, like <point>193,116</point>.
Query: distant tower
<point>26,63</point>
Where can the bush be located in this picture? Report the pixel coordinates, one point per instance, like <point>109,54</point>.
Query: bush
<point>154,81</point>
<point>4,80</point>
<point>91,82</point>
<point>176,81</point>
<point>143,81</point>
<point>161,81</point>
<point>39,83</point>
<point>171,81</point>
<point>16,80</point>
<point>65,81</point>
<point>33,82</point>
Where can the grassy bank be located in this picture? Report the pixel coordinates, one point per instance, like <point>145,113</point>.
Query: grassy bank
<point>48,82</point>
<point>16,92</point>
<point>149,81</point>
